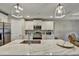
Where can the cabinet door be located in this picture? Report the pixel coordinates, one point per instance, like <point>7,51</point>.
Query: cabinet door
<point>47,25</point>
<point>37,22</point>
<point>16,29</point>
<point>28,25</point>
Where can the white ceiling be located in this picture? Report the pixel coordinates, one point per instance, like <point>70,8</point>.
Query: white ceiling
<point>40,10</point>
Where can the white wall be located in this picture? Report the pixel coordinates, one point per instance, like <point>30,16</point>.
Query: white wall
<point>64,27</point>
<point>48,25</point>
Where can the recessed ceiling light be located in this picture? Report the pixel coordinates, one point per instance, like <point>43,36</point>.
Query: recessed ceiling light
<point>28,16</point>
<point>51,16</point>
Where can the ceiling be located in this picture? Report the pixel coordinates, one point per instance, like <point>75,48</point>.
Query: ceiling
<point>42,10</point>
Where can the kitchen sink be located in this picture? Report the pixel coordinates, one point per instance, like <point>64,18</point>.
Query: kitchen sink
<point>31,42</point>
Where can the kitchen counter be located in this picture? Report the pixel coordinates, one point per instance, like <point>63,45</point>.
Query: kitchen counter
<point>46,47</point>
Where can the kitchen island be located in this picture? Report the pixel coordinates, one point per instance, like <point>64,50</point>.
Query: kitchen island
<point>46,47</point>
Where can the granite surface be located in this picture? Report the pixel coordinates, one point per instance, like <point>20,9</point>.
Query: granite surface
<point>47,47</point>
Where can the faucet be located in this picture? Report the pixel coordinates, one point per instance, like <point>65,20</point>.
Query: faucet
<point>29,41</point>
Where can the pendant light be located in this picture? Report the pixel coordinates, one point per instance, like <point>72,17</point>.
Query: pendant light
<point>60,11</point>
<point>17,11</point>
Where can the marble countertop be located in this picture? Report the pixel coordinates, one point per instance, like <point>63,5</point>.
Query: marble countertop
<point>47,47</point>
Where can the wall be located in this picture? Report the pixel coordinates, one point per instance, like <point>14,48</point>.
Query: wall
<point>62,28</point>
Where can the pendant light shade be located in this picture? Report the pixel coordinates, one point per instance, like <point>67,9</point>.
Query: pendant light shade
<point>17,11</point>
<point>60,11</point>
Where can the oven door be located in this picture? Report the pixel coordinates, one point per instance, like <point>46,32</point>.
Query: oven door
<point>37,35</point>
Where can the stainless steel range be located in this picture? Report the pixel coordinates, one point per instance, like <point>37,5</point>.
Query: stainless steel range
<point>37,35</point>
<point>37,32</point>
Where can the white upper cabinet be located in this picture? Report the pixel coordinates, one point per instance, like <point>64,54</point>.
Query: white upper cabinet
<point>16,28</point>
<point>28,25</point>
<point>3,18</point>
<point>47,25</point>
<point>37,22</point>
